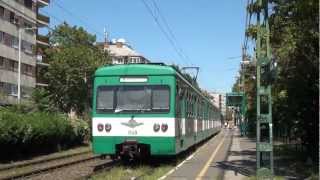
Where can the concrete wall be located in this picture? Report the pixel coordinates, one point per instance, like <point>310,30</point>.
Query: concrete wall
<point>13,30</point>
<point>12,53</point>
<point>12,77</point>
<point>19,9</point>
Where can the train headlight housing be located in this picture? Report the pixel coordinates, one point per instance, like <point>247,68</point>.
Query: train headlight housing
<point>100,127</point>
<point>156,127</point>
<point>164,127</point>
<point>108,127</point>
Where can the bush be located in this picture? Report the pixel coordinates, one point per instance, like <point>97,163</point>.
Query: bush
<point>37,132</point>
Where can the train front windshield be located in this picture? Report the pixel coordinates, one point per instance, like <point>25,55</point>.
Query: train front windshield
<point>121,99</point>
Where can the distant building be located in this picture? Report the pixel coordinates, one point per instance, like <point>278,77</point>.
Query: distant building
<point>21,15</point>
<point>122,53</point>
<point>219,99</point>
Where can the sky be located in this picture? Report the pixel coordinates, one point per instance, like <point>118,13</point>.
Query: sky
<point>207,33</point>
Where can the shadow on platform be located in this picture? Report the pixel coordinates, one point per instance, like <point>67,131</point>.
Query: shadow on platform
<point>246,166</point>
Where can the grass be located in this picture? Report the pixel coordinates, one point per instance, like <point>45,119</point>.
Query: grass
<point>141,172</point>
<point>275,178</point>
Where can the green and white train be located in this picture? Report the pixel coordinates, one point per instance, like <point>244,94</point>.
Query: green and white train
<point>148,109</point>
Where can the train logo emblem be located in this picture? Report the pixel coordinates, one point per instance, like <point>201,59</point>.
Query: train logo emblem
<point>132,123</point>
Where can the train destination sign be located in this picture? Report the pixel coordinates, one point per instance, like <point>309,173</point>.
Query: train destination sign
<point>133,79</point>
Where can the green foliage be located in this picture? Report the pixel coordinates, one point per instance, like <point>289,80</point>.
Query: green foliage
<point>294,39</point>
<point>40,97</point>
<point>22,132</point>
<point>74,58</point>
<point>252,31</point>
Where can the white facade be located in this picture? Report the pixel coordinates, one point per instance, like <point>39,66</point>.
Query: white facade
<point>122,53</point>
<point>219,100</point>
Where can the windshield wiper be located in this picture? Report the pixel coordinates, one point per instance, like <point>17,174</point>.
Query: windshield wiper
<point>117,110</point>
<point>104,108</point>
<point>160,108</point>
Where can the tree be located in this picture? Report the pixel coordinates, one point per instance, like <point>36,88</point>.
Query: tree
<point>294,39</point>
<point>73,61</point>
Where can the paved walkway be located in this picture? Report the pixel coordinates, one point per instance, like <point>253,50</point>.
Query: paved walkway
<point>241,160</point>
<point>225,156</point>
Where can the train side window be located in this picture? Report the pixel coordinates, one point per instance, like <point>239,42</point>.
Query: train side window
<point>179,97</point>
<point>160,98</point>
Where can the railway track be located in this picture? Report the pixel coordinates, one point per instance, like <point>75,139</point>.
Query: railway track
<point>36,168</point>
<point>39,161</point>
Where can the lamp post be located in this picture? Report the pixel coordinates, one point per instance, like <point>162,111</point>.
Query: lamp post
<point>19,60</point>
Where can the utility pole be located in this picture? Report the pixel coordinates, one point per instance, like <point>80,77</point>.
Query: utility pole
<point>19,60</point>
<point>19,67</point>
<point>243,120</point>
<point>264,77</point>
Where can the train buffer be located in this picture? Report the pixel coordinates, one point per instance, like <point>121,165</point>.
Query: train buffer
<point>225,156</point>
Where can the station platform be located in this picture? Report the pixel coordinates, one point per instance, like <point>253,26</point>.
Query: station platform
<point>224,156</point>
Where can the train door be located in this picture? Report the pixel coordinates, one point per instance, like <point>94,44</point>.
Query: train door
<point>180,129</point>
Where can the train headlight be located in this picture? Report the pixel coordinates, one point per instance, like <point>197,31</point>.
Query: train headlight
<point>108,127</point>
<point>164,127</point>
<point>156,127</point>
<point>100,127</point>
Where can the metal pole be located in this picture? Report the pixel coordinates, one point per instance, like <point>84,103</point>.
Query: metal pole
<point>19,67</point>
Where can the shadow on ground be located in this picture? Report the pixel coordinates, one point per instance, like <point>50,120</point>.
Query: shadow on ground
<point>245,167</point>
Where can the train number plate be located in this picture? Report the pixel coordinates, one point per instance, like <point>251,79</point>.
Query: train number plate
<point>132,132</point>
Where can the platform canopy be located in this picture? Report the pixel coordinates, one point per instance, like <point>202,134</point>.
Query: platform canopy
<point>235,99</point>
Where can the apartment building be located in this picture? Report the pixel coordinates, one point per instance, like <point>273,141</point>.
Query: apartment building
<point>219,99</point>
<point>21,18</point>
<point>122,53</point>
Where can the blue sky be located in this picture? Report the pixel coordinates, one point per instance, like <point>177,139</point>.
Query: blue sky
<point>208,31</point>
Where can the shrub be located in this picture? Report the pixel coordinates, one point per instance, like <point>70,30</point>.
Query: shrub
<point>37,132</point>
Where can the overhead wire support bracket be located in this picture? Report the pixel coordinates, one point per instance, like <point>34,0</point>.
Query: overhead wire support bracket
<point>197,68</point>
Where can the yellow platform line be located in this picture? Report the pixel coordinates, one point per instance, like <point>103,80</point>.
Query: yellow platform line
<point>206,166</point>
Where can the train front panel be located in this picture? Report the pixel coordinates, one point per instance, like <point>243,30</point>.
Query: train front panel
<point>134,115</point>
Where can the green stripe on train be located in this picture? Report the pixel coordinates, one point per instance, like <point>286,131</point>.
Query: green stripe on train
<point>158,145</point>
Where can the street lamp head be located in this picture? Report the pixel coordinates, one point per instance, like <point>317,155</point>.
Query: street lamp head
<point>245,62</point>
<point>30,28</point>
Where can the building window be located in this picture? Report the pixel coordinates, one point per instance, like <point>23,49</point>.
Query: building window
<point>13,89</point>
<point>15,42</point>
<point>27,47</point>
<point>13,66</point>
<point>2,65</point>
<point>11,17</point>
<point>1,36</point>
<point>1,12</point>
<point>28,3</point>
<point>28,24</point>
<point>27,70</point>
<point>7,39</point>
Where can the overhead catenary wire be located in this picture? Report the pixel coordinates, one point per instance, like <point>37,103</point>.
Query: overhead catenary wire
<point>170,30</point>
<point>165,33</point>
<point>59,5</point>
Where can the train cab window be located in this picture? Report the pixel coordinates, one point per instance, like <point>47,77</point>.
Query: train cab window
<point>105,99</point>
<point>128,99</point>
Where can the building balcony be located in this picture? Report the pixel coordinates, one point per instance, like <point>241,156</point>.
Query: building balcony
<point>41,80</point>
<point>42,40</point>
<point>40,60</point>
<point>43,3</point>
<point>43,20</point>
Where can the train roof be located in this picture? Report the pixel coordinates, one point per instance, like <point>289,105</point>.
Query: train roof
<point>135,69</point>
<point>145,69</point>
